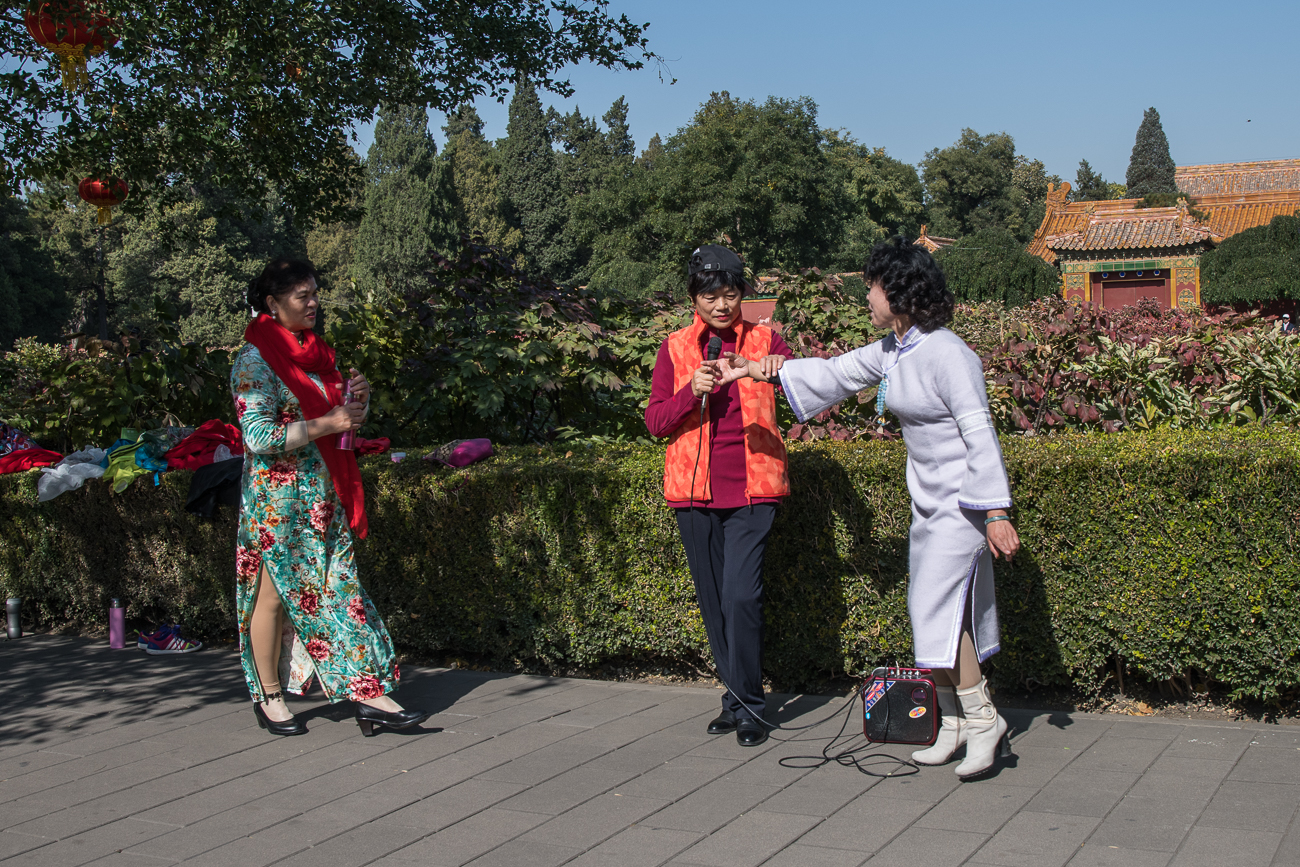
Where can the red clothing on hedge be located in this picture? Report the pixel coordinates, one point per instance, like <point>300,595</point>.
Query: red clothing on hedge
<point>667,411</point>
<point>199,448</point>
<point>25,459</point>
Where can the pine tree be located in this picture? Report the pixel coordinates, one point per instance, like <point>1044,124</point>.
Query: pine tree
<point>477,179</point>
<point>654,151</point>
<point>410,205</point>
<point>1150,168</point>
<point>1089,186</point>
<point>532,183</point>
<point>618,136</point>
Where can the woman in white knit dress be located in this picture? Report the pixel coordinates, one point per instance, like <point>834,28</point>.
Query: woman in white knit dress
<point>934,384</point>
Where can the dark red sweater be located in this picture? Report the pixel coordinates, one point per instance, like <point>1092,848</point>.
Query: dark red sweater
<point>667,411</point>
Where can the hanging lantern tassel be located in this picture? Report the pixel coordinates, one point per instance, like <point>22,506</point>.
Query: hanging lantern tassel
<point>72,31</point>
<point>104,196</point>
<point>72,63</point>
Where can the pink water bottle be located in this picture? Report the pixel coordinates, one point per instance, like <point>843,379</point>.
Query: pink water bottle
<point>347,439</point>
<point>116,625</point>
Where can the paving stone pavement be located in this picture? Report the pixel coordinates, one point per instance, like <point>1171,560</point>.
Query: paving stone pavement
<point>118,758</point>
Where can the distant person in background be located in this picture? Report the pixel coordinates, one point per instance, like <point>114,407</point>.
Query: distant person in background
<point>302,611</point>
<point>934,384</point>
<point>724,474</point>
<point>1288,327</point>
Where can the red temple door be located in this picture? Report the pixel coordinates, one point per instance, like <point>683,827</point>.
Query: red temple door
<point>1127,293</point>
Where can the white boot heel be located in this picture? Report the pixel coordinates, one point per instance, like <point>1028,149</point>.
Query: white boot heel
<point>952,730</point>
<point>986,731</point>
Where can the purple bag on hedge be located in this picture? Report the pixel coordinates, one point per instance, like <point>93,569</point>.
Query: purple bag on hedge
<point>461,453</point>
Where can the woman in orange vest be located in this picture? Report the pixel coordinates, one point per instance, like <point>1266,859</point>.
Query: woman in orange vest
<point>724,475</point>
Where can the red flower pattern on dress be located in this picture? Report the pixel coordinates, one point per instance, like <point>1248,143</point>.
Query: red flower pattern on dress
<point>309,602</point>
<point>281,473</point>
<point>364,687</point>
<point>246,561</point>
<point>321,515</point>
<point>241,407</point>
<point>288,416</point>
<point>265,538</point>
<point>318,649</point>
<point>357,609</point>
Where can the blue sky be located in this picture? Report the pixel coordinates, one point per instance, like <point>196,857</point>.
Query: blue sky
<point>1068,81</point>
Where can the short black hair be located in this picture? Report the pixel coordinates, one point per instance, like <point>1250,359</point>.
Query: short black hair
<point>280,277</point>
<point>913,282</point>
<point>712,281</point>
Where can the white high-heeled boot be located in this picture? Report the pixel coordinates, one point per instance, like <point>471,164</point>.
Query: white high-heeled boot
<point>952,730</point>
<point>986,731</point>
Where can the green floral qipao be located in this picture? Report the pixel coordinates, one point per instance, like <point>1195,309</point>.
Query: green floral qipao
<point>292,521</point>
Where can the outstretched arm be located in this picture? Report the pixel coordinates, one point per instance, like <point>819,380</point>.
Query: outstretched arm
<point>732,367</point>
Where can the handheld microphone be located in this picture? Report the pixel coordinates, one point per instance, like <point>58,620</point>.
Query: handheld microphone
<point>715,349</point>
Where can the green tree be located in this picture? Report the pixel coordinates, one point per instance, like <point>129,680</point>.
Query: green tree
<point>196,257</point>
<point>1258,265</point>
<point>654,150</point>
<point>78,246</point>
<point>968,185</point>
<point>992,265</point>
<point>331,247</point>
<point>618,135</point>
<point>533,186</point>
<point>594,165</point>
<point>33,293</point>
<point>193,256</point>
<point>882,196</point>
<point>247,97</point>
<point>1151,168</point>
<point>1029,180</point>
<point>1089,185</point>
<point>757,173</point>
<point>409,207</point>
<point>476,177</point>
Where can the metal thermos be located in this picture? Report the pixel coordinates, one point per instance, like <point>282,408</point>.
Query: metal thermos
<point>116,625</point>
<point>14,614</point>
<point>347,439</point>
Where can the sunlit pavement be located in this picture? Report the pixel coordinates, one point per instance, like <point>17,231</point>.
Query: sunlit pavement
<point>115,757</point>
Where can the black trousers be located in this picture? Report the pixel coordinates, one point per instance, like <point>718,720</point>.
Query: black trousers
<point>725,548</point>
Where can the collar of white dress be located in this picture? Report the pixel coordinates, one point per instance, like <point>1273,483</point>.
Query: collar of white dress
<point>912,339</point>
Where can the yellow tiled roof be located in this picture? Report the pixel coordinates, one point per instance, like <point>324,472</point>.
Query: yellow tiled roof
<point>1155,227</point>
<point>1122,225</point>
<point>1269,176</point>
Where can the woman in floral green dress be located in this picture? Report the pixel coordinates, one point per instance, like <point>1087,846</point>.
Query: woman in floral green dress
<point>302,611</point>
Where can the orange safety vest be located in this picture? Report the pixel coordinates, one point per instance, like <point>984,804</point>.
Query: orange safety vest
<point>766,473</point>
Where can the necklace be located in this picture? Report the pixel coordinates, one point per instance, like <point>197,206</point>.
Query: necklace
<point>881,390</point>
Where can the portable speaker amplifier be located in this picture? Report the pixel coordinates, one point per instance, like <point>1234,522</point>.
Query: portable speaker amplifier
<point>898,707</point>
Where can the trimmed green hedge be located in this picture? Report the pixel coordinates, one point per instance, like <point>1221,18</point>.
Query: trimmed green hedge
<point>1174,551</point>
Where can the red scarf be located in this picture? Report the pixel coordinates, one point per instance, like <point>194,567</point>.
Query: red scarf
<point>292,361</point>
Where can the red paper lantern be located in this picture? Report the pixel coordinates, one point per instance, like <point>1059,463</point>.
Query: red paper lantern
<point>103,195</point>
<point>73,31</point>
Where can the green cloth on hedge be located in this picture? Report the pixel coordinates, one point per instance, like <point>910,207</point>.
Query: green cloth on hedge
<point>155,444</point>
<point>127,461</point>
<point>292,522</point>
<point>122,468</point>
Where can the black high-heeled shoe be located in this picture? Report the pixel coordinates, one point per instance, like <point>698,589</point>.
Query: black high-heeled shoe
<point>290,727</point>
<point>368,717</point>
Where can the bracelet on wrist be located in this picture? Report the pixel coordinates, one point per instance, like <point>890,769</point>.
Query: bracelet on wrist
<point>990,520</point>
